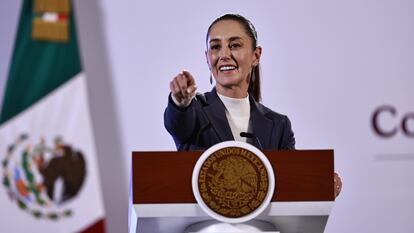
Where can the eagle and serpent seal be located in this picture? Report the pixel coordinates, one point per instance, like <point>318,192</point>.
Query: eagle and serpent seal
<point>42,178</point>
<point>233,182</point>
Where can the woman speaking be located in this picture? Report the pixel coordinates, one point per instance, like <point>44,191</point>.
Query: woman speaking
<point>231,111</point>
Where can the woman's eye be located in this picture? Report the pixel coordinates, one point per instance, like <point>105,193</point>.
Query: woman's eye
<point>215,47</point>
<point>235,46</point>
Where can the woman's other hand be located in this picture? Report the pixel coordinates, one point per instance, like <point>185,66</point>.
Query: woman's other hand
<point>337,184</point>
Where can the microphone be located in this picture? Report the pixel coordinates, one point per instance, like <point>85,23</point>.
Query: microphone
<point>250,135</point>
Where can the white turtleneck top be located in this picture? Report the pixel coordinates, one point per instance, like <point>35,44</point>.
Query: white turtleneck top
<point>238,115</point>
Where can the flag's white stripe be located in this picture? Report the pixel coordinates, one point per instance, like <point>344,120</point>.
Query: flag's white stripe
<point>64,112</point>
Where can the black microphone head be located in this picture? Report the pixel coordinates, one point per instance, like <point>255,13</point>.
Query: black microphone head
<point>251,135</point>
<point>246,135</point>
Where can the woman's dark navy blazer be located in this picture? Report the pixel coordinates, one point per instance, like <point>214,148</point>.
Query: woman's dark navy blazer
<point>204,123</point>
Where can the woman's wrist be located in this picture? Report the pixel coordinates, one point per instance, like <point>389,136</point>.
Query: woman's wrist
<point>185,102</point>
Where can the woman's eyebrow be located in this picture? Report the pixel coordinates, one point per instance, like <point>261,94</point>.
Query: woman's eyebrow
<point>214,40</point>
<point>233,38</point>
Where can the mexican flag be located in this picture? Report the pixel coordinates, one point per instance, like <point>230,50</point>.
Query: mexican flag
<point>48,161</point>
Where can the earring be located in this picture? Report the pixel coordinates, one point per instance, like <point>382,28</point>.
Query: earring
<point>211,79</point>
<point>253,75</point>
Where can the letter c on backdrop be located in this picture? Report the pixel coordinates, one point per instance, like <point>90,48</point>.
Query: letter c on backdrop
<point>375,121</point>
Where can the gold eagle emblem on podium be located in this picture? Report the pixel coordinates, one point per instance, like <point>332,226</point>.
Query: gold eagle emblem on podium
<point>233,182</point>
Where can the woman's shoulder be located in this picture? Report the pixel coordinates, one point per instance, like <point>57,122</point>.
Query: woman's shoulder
<point>269,113</point>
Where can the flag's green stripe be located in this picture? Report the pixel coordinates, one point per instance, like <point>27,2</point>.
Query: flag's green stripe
<point>37,68</point>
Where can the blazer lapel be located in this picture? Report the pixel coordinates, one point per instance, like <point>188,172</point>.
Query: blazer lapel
<point>262,126</point>
<point>216,114</point>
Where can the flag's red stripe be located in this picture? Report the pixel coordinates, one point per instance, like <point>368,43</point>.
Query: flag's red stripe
<point>97,227</point>
<point>63,17</point>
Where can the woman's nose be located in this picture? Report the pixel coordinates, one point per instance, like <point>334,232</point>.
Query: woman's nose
<point>225,53</point>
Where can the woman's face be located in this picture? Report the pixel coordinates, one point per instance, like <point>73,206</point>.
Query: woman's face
<point>231,57</point>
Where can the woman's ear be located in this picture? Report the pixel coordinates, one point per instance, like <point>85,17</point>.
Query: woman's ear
<point>257,53</point>
<point>208,63</point>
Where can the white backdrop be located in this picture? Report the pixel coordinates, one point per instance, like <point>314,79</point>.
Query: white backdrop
<point>328,65</point>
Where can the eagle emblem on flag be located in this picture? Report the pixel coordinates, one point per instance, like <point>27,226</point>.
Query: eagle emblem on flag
<point>42,178</point>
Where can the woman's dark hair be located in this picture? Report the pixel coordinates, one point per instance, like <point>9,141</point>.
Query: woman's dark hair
<point>254,84</point>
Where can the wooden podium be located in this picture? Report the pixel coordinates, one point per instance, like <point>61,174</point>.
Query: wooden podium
<point>164,203</point>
